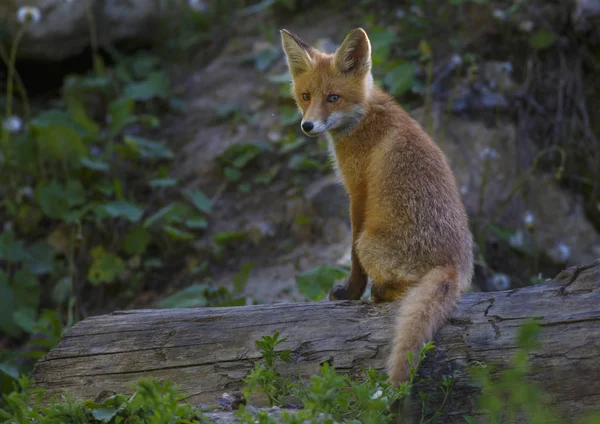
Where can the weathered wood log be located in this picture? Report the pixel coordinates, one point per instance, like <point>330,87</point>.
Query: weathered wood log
<point>207,351</point>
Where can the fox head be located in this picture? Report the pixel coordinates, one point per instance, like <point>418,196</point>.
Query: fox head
<point>331,90</point>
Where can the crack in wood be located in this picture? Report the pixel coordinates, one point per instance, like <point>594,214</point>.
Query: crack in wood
<point>491,300</point>
<point>495,327</point>
<point>577,270</point>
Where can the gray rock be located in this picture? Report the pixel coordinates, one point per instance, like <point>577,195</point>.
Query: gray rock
<point>586,15</point>
<point>62,30</point>
<point>328,198</point>
<point>542,215</point>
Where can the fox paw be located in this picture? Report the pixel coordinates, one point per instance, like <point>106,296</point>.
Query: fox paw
<point>338,293</point>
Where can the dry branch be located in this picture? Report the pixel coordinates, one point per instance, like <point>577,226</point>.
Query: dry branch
<point>207,351</point>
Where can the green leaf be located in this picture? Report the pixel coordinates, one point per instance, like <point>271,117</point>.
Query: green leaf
<point>7,305</point>
<point>400,79</point>
<point>502,233</point>
<point>136,240</point>
<point>53,117</point>
<point>174,212</point>
<point>60,143</point>
<point>266,57</point>
<point>94,165</point>
<point>283,78</point>
<point>11,249</point>
<point>27,289</point>
<point>40,260</point>
<point>148,149</point>
<point>25,318</point>
<point>241,154</point>
<point>160,214</point>
<point>79,115</point>
<point>104,415</point>
<point>232,174</point>
<point>123,209</point>
<point>178,234</point>
<point>316,283</point>
<point>290,116</point>
<point>542,39</point>
<point>144,63</point>
<point>469,419</point>
<point>228,237</point>
<point>163,182</point>
<point>381,41</point>
<point>11,369</point>
<point>105,268</point>
<point>53,199</point>
<point>120,112</point>
<point>60,292</point>
<point>241,278</point>
<point>196,222</point>
<point>199,200</point>
<point>156,85</point>
<point>191,297</point>
<point>75,193</point>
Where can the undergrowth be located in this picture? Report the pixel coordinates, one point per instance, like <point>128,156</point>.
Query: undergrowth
<point>328,397</point>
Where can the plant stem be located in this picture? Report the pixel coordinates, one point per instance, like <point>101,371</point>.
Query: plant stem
<point>6,59</point>
<point>11,70</point>
<point>93,37</point>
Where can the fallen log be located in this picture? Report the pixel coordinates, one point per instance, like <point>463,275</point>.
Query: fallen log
<point>207,351</point>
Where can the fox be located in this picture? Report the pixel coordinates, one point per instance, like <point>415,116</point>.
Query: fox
<point>410,230</point>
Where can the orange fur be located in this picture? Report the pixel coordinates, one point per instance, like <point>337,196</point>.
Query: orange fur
<point>410,232</point>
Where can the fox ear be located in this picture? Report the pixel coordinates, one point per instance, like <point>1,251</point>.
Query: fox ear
<point>299,55</point>
<point>354,55</point>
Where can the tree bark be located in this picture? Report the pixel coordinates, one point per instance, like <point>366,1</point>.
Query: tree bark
<point>207,351</point>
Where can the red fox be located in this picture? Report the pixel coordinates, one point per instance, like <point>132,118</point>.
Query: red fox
<point>410,230</point>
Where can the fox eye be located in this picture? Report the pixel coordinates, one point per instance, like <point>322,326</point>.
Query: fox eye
<point>332,98</point>
<point>306,97</point>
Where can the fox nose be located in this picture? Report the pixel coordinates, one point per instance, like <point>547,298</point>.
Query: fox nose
<point>307,126</point>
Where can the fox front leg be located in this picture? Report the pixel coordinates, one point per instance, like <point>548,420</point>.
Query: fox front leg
<point>355,285</point>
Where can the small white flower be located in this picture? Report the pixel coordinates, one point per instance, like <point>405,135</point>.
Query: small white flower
<point>526,26</point>
<point>197,5</point>
<point>28,14</point>
<point>499,282</point>
<point>529,219</point>
<point>517,239</point>
<point>24,192</point>
<point>488,153</point>
<point>561,252</point>
<point>415,10</point>
<point>400,13</point>
<point>456,60</point>
<point>95,151</point>
<point>377,394</point>
<point>12,124</point>
<point>499,14</point>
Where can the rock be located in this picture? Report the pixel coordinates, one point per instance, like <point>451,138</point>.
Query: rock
<point>586,15</point>
<point>63,30</point>
<point>542,218</point>
<point>328,198</point>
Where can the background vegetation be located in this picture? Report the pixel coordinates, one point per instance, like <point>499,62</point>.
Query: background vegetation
<point>95,217</point>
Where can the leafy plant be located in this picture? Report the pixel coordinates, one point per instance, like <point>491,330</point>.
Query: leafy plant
<point>152,403</point>
<point>315,283</point>
<point>199,295</point>
<point>329,395</point>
